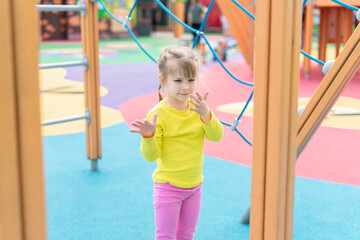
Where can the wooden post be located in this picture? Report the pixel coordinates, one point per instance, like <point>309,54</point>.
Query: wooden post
<point>90,40</point>
<point>323,33</point>
<point>307,40</point>
<point>349,18</point>
<point>179,10</point>
<point>22,201</point>
<point>340,15</point>
<point>277,34</point>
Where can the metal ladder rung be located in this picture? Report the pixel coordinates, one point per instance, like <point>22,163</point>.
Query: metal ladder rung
<point>65,64</point>
<point>61,7</point>
<point>68,119</point>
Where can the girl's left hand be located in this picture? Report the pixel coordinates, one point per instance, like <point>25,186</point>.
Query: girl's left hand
<point>201,106</point>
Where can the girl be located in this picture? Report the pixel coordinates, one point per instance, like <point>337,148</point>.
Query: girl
<point>173,136</point>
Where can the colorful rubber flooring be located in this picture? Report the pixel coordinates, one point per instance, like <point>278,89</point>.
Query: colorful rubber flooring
<point>116,201</point>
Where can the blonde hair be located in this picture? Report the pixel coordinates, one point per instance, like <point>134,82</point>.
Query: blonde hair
<point>181,59</point>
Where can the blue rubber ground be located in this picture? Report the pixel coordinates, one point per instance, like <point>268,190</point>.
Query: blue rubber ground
<point>116,202</point>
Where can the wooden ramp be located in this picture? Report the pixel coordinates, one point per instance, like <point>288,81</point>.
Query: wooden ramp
<point>241,25</point>
<point>329,90</point>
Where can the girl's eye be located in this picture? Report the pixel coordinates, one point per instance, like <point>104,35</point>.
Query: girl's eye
<point>178,80</point>
<point>191,80</point>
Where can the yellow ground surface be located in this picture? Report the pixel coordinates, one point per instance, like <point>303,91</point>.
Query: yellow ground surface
<point>336,118</point>
<point>62,98</point>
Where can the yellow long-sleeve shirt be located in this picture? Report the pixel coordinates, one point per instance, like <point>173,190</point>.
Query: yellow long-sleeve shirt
<point>177,145</point>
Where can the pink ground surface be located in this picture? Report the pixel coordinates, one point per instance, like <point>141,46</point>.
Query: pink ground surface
<point>333,154</point>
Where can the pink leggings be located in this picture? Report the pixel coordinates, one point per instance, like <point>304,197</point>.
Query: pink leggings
<point>176,211</point>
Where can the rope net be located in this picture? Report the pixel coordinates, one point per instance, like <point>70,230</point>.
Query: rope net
<point>199,33</point>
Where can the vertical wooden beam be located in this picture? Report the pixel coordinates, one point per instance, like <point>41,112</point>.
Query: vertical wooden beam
<point>90,40</point>
<point>22,202</point>
<point>308,33</point>
<point>323,33</point>
<point>179,10</point>
<point>277,34</point>
<point>10,191</point>
<point>348,24</point>
<point>340,15</point>
<point>294,73</point>
<point>262,52</point>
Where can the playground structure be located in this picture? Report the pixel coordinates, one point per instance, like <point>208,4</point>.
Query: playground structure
<point>90,41</point>
<point>280,111</point>
<point>336,25</point>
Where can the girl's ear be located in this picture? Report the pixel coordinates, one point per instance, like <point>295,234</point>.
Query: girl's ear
<point>162,81</point>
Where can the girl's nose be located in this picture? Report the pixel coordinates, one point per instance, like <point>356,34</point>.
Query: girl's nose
<point>185,87</point>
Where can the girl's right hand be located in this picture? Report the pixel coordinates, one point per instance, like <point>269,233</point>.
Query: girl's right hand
<point>145,127</point>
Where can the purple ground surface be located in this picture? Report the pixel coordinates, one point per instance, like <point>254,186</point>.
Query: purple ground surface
<point>123,81</point>
<point>129,80</point>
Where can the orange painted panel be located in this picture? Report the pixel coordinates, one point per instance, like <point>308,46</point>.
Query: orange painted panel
<point>241,25</point>
<point>329,3</point>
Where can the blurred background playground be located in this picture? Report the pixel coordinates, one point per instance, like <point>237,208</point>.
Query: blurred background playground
<point>115,202</point>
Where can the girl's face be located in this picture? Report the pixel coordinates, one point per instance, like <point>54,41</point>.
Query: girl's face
<point>178,87</point>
